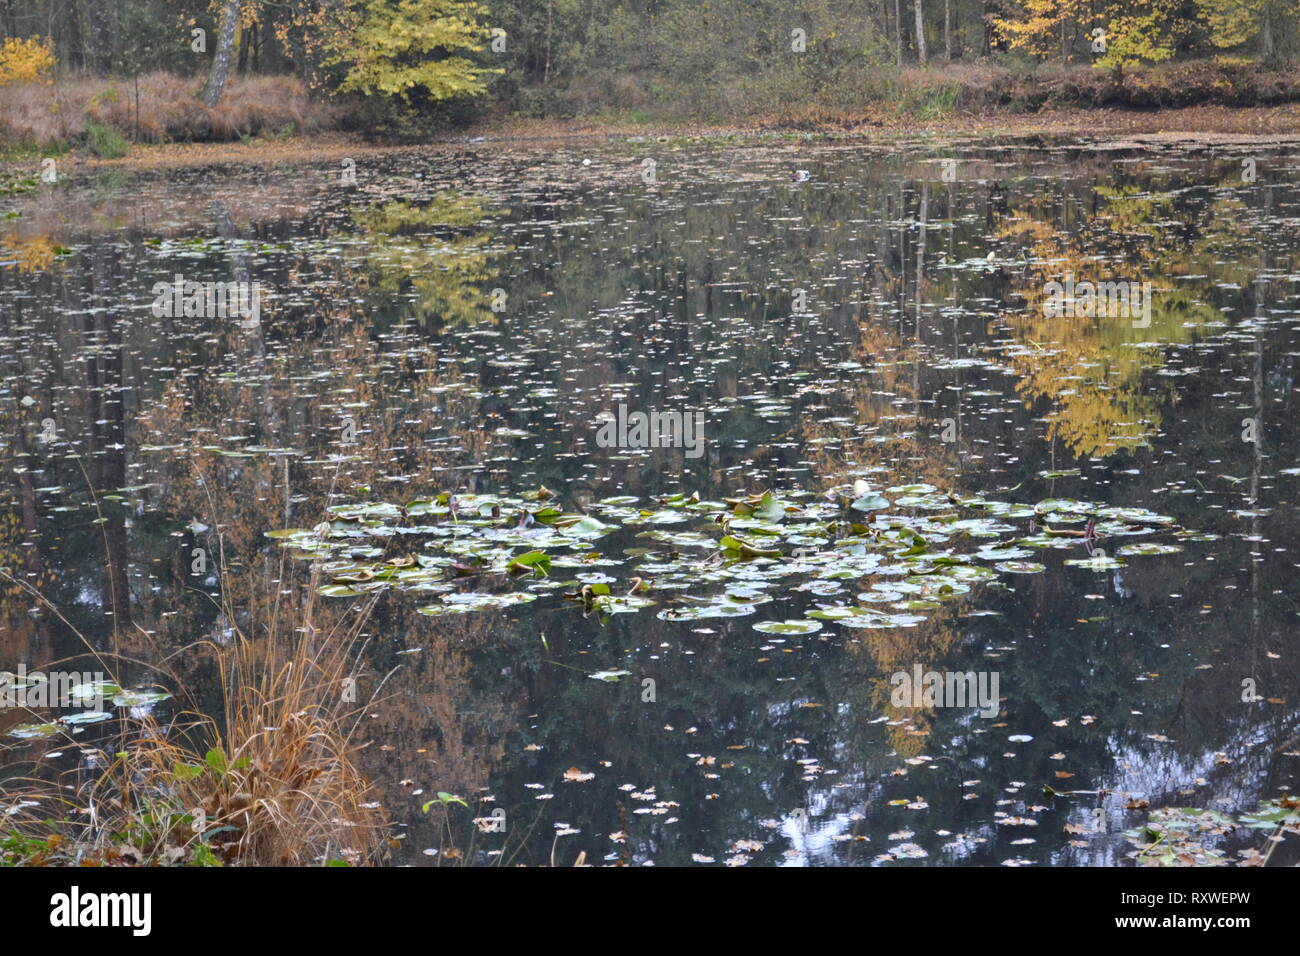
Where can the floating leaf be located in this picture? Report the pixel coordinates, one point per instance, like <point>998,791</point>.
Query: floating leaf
<point>788,627</point>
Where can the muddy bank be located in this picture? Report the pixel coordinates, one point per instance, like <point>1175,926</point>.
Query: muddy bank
<point>1209,124</point>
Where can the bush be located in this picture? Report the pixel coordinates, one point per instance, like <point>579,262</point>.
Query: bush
<point>105,142</point>
<point>26,61</point>
<point>390,118</point>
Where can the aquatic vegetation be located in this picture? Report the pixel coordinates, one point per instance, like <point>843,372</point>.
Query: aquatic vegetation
<point>31,692</point>
<point>915,551</point>
<point>1192,836</point>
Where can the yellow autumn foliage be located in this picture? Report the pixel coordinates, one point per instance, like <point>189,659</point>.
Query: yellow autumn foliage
<point>26,61</point>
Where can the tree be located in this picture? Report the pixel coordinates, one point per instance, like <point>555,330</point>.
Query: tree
<point>898,32</point>
<point>1121,33</point>
<point>920,30</point>
<point>1041,25</point>
<point>221,60</point>
<point>1133,40</point>
<point>947,30</point>
<point>413,44</point>
<point>1270,24</point>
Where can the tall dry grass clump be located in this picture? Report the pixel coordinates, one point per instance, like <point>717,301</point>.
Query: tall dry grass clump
<point>158,107</point>
<point>273,779</point>
<point>275,782</point>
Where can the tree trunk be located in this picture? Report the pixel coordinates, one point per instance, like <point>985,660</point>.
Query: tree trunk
<point>221,59</point>
<point>546,71</point>
<point>947,30</point>
<point>920,31</point>
<point>1266,36</point>
<point>97,56</point>
<point>898,32</point>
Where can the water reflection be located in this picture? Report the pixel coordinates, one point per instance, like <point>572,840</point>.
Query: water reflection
<point>877,322</point>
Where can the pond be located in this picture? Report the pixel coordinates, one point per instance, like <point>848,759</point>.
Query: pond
<point>671,475</point>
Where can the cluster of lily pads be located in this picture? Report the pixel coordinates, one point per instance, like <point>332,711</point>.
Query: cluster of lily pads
<point>138,702</point>
<point>866,559</point>
<point>1187,836</point>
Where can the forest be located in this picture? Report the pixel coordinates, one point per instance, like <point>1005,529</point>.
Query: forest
<point>83,72</point>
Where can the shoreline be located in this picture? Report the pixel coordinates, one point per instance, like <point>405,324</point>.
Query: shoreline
<point>1211,124</point>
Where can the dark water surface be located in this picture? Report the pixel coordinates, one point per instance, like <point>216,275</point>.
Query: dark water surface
<point>877,323</point>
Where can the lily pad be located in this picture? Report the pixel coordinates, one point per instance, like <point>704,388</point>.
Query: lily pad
<point>466,601</point>
<point>788,627</point>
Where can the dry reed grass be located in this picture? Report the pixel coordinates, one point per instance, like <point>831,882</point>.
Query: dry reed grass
<point>274,780</point>
<point>167,108</point>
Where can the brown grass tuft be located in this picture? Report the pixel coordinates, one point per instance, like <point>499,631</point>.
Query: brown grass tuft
<point>273,780</point>
<point>168,108</point>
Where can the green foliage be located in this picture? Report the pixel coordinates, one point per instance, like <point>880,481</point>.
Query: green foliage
<point>20,849</point>
<point>407,68</point>
<point>443,799</point>
<point>414,46</point>
<point>105,141</point>
<point>934,102</point>
<point>1269,26</point>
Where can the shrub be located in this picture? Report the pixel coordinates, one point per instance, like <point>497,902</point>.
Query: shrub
<point>105,141</point>
<point>26,61</point>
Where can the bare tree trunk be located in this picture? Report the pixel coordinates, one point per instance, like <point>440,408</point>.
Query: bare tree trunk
<point>898,32</point>
<point>1266,36</point>
<point>100,59</point>
<point>221,59</point>
<point>242,40</point>
<point>546,71</point>
<point>920,30</point>
<point>947,30</point>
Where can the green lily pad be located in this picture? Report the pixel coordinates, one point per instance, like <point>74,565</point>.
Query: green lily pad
<point>33,731</point>
<point>86,717</point>
<point>701,612</point>
<point>467,601</point>
<point>788,627</point>
<point>1097,562</point>
<point>83,692</point>
<point>1148,547</point>
<point>610,677</point>
<point>140,698</point>
<point>1021,567</point>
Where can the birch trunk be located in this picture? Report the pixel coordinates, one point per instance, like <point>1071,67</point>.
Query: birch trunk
<point>221,59</point>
